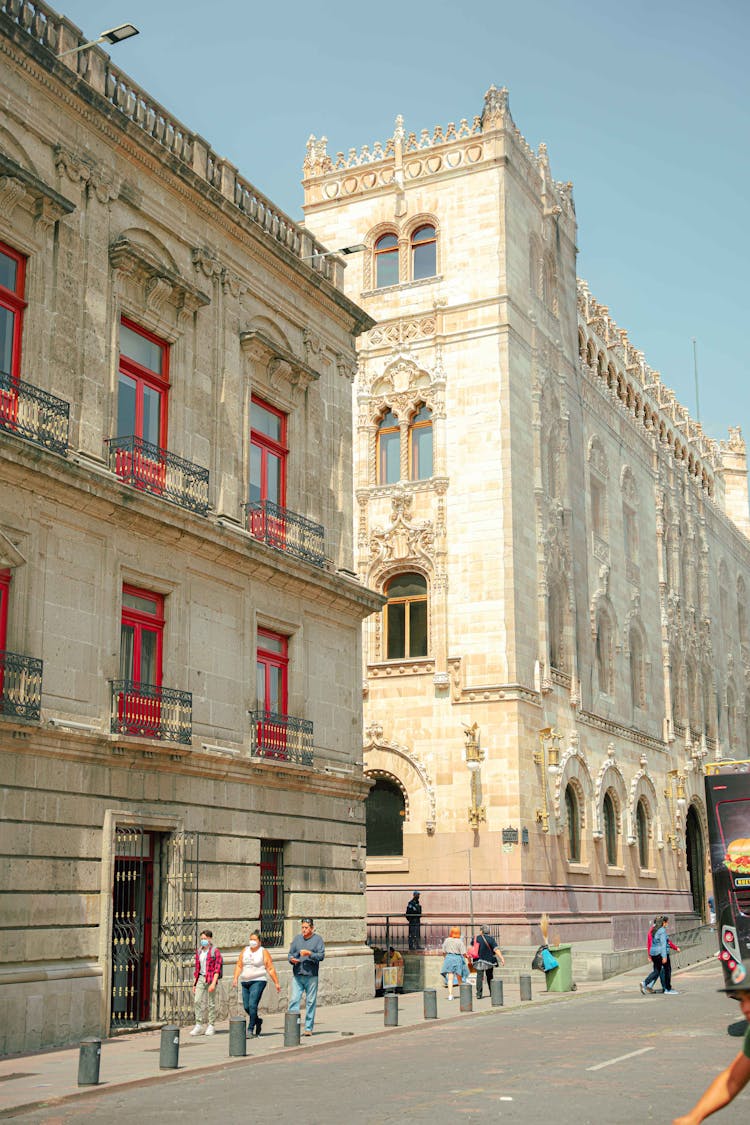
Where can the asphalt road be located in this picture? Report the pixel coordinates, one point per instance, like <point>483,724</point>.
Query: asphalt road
<point>611,1058</point>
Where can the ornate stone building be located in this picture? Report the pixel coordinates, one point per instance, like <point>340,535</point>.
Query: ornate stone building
<point>180,709</point>
<point>563,552</point>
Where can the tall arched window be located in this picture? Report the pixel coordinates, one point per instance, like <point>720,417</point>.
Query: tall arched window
<point>742,614</point>
<point>610,829</point>
<point>420,444</point>
<point>385,812</point>
<point>604,662</point>
<point>637,668</point>
<point>406,617</point>
<point>389,450</point>
<point>558,656</point>
<point>573,816</point>
<point>641,827</point>
<point>423,253</point>
<point>386,261</point>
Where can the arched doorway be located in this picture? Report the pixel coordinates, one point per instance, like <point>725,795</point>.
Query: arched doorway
<point>696,861</point>
<point>386,810</point>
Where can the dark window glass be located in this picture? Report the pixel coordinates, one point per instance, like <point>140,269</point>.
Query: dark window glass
<point>389,450</point>
<point>574,824</point>
<point>610,830</point>
<point>386,261</point>
<point>642,831</point>
<point>385,810</point>
<point>423,253</point>
<point>406,617</point>
<point>420,437</point>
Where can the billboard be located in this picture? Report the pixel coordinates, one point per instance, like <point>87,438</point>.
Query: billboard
<point>728,808</point>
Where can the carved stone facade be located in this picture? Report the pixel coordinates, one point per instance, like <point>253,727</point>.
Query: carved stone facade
<point>583,545</point>
<point>111,210</point>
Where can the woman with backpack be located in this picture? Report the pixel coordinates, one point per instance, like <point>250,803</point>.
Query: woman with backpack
<point>486,960</point>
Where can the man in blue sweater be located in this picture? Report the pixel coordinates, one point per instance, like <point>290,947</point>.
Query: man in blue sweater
<point>305,954</point>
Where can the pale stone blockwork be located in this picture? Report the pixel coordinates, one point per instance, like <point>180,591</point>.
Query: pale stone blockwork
<point>579,544</point>
<point>138,806</point>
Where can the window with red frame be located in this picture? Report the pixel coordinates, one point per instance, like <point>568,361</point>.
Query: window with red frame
<point>268,454</point>
<point>142,391</point>
<point>139,702</point>
<point>272,670</point>
<point>12,305</point>
<point>4,595</point>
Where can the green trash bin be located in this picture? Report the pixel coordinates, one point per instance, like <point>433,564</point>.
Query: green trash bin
<point>561,978</point>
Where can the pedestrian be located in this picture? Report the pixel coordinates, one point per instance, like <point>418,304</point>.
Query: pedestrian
<point>394,957</point>
<point>733,1080</point>
<point>657,952</point>
<point>209,966</point>
<point>305,954</point>
<point>254,967</point>
<point>486,962</point>
<point>413,917</point>
<point>454,962</point>
<point>666,968</point>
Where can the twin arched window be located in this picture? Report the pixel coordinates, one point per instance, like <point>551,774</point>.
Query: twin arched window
<point>406,617</point>
<point>420,446</point>
<point>422,257</point>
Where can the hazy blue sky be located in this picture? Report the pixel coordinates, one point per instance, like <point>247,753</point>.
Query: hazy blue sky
<point>643,105</point>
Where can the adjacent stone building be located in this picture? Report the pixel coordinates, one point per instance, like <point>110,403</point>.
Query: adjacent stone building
<point>563,551</point>
<point>180,674</point>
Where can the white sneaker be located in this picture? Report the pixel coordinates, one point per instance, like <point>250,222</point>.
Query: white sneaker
<point>210,1029</point>
<point>198,1029</point>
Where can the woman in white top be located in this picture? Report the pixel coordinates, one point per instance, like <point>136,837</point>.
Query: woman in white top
<point>254,967</point>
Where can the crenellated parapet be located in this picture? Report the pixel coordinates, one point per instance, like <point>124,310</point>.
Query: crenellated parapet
<point>408,156</point>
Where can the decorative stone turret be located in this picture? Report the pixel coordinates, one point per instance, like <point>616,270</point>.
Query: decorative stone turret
<point>734,469</point>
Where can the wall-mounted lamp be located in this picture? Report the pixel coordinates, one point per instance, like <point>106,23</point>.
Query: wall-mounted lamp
<point>114,35</point>
<point>474,758</point>
<point>677,801</point>
<point>548,757</point>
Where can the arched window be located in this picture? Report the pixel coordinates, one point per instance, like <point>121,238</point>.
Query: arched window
<point>423,253</point>
<point>604,668</point>
<point>641,828</point>
<point>420,444</point>
<point>742,614</point>
<point>385,811</point>
<point>556,613</point>
<point>406,617</point>
<point>609,817</point>
<point>389,449</point>
<point>573,816</point>
<point>637,668</point>
<point>731,718</point>
<point>386,261</point>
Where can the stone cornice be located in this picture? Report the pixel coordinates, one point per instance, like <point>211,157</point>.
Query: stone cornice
<point>17,186</point>
<point>281,364</point>
<point>622,731</point>
<point>161,284</point>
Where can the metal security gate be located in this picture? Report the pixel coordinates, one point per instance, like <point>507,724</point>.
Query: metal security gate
<point>272,893</point>
<point>178,926</point>
<point>132,914</point>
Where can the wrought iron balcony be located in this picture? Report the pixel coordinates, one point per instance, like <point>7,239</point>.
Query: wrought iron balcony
<point>151,711</point>
<point>286,531</point>
<point>33,414</point>
<point>20,686</point>
<point>155,470</point>
<point>281,738</point>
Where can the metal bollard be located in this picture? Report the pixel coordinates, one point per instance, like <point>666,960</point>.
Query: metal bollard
<point>479,983</point>
<point>89,1058</point>
<point>390,1010</point>
<point>525,983</point>
<point>429,997</point>
<point>466,995</point>
<point>169,1048</point>
<point>291,1029</point>
<point>496,993</point>
<point>237,1037</point>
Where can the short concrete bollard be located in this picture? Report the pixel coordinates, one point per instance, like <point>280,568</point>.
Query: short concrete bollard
<point>466,1003</point>
<point>237,1037</point>
<point>169,1048</point>
<point>291,1029</point>
<point>429,997</point>
<point>525,982</point>
<point>88,1062</point>
<point>390,1010</point>
<point>496,993</point>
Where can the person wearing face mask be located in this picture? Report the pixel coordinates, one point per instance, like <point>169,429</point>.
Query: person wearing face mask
<point>208,970</point>
<point>254,967</point>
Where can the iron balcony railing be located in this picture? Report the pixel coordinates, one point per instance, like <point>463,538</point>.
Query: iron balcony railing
<point>286,531</point>
<point>20,686</point>
<point>33,414</point>
<point>155,470</point>
<point>281,738</point>
<point>151,711</point>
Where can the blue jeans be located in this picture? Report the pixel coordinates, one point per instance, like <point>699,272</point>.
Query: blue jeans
<point>308,985</point>
<point>656,972</point>
<point>252,990</point>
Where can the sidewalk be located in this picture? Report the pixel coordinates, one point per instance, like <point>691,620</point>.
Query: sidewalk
<point>46,1078</point>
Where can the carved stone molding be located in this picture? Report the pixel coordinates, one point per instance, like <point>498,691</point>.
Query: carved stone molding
<point>375,744</point>
<point>97,179</point>
<point>10,556</point>
<point>282,365</point>
<point>208,264</point>
<point>403,541</point>
<point>486,693</point>
<point>19,188</point>
<point>160,285</point>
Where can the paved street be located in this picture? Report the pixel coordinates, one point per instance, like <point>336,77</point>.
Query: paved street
<point>609,1056</point>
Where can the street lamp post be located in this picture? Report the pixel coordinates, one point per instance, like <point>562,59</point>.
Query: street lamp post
<point>114,35</point>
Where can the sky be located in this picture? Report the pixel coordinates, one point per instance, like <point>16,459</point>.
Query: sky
<point>643,105</point>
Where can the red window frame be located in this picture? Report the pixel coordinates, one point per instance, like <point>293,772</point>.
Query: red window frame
<point>5,576</point>
<point>269,527</point>
<point>139,712</point>
<point>142,469</point>
<point>268,658</point>
<point>13,301</point>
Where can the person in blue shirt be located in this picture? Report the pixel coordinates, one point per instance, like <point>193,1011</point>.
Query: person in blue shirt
<point>659,952</point>
<point>305,954</point>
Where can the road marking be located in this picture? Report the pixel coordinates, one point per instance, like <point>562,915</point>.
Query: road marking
<point>620,1058</point>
